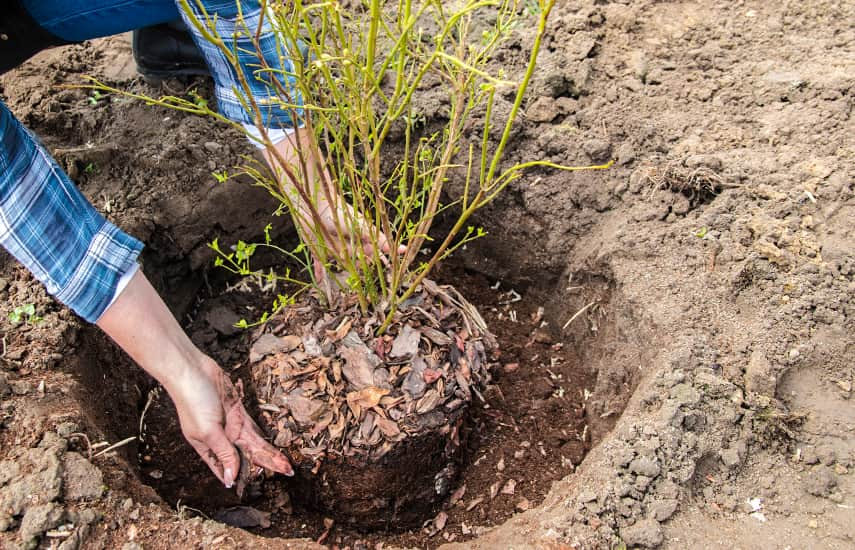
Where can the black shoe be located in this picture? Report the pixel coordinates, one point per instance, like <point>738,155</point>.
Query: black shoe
<point>166,51</point>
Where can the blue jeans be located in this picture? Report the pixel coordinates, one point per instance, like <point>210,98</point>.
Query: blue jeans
<point>77,20</point>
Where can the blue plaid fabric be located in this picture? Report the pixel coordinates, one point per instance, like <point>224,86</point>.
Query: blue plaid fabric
<point>238,28</point>
<point>50,227</point>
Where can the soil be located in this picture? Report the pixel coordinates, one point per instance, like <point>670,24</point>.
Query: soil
<point>712,368</point>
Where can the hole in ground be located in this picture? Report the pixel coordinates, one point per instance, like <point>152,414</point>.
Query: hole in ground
<point>545,408</point>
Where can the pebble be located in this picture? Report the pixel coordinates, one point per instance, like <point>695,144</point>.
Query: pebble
<point>599,150</point>
<point>710,162</point>
<point>39,519</point>
<point>21,387</point>
<point>626,153</point>
<point>730,458</point>
<point>645,466</point>
<point>820,482</point>
<point>646,533</point>
<point>65,429</point>
<point>809,456</point>
<point>661,510</point>
<point>759,375</point>
<point>543,109</point>
<point>212,146</point>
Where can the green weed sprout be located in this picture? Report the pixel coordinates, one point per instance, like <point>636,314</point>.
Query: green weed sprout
<point>25,313</point>
<point>359,80</point>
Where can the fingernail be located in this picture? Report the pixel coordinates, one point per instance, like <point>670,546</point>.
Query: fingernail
<point>228,478</point>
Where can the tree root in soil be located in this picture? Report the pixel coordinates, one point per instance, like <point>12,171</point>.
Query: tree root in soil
<point>372,423</point>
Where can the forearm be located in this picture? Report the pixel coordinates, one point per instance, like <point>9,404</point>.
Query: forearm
<point>141,324</point>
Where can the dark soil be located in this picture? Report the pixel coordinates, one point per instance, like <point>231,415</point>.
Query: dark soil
<point>531,432</point>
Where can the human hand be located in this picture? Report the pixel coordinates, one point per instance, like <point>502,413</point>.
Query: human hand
<point>347,230</point>
<point>342,227</point>
<point>210,411</point>
<point>214,421</point>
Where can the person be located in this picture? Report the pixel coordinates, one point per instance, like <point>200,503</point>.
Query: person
<point>88,263</point>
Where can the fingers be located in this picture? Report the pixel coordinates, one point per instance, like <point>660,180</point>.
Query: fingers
<point>241,430</point>
<point>260,452</point>
<point>247,436</point>
<point>221,457</point>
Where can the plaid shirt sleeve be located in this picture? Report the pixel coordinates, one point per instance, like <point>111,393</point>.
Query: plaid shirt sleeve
<point>50,227</point>
<point>238,28</point>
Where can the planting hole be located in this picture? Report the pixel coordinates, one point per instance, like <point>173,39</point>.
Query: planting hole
<point>554,393</point>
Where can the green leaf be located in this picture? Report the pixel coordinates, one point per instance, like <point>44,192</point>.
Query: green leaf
<point>700,233</point>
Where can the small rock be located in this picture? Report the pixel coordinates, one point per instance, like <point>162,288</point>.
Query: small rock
<point>587,496</point>
<point>774,255</point>
<point>642,482</point>
<point>598,149</point>
<point>543,109</point>
<point>759,375</point>
<point>243,517</point>
<point>212,146</point>
<point>65,429</point>
<point>5,388</point>
<point>730,458</point>
<point>638,64</point>
<point>566,105</point>
<point>810,457</point>
<point>710,162</point>
<point>645,466</point>
<point>81,479</point>
<point>39,519</point>
<point>685,394</point>
<point>661,510</point>
<point>820,482</point>
<point>622,457</point>
<point>827,455</point>
<point>580,46</point>
<point>223,320</point>
<point>626,153</point>
<point>21,387</point>
<point>646,533</point>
